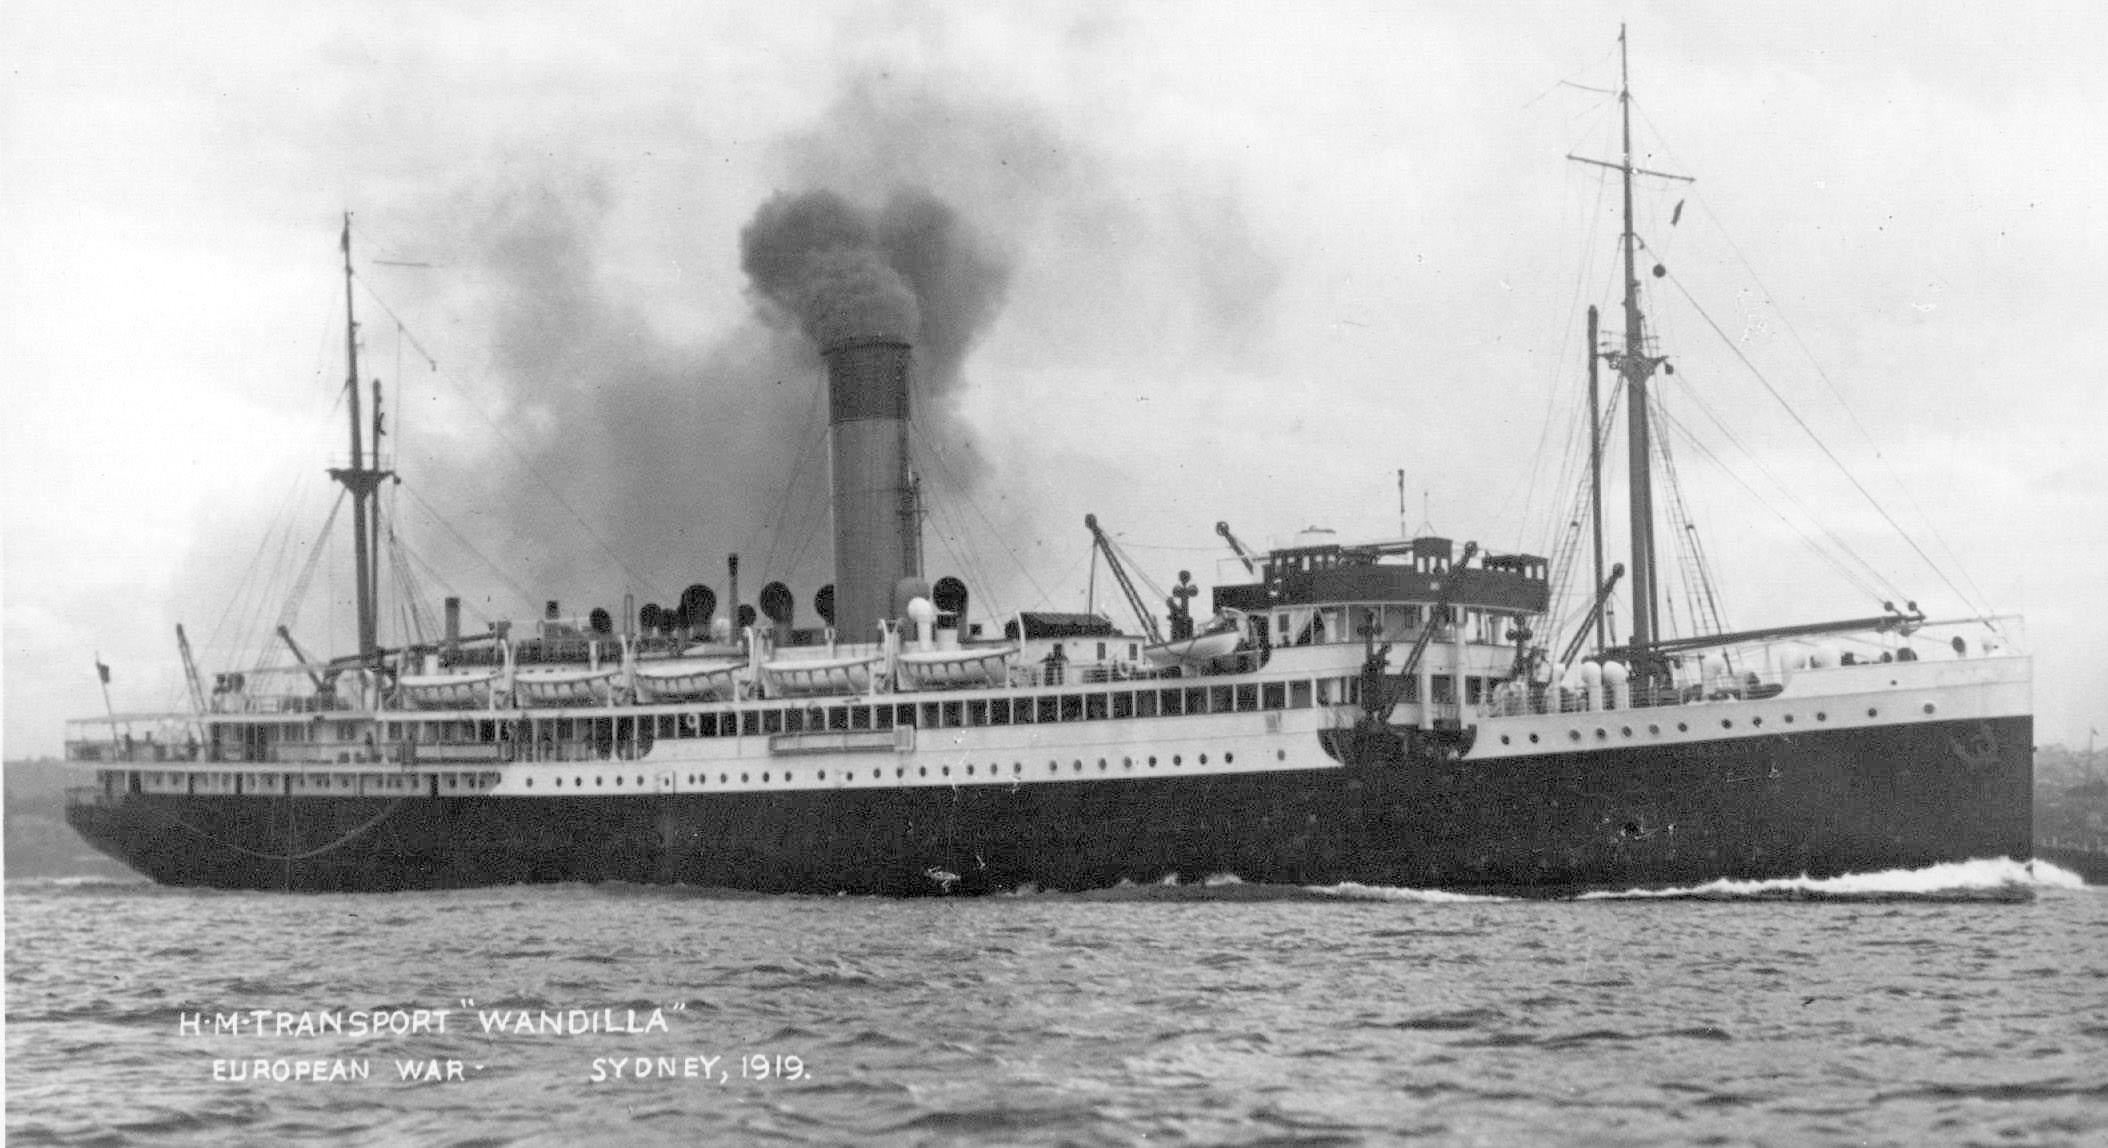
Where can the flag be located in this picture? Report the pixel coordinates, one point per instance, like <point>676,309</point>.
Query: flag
<point>102,671</point>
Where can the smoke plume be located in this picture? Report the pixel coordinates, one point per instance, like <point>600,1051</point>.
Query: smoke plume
<point>910,268</point>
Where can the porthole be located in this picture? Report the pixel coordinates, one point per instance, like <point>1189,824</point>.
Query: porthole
<point>922,771</point>
<point>1625,730</point>
<point>1204,759</point>
<point>969,771</point>
<point>1176,759</point>
<point>1682,728</point>
<point>1017,767</point>
<point>947,771</point>
<point>1127,763</point>
<point>764,777</point>
<point>598,780</point>
<point>691,779</point>
<point>559,783</point>
<point>1929,707</point>
<point>1079,766</point>
<point>1533,739</point>
<point>823,775</point>
<point>1789,719</point>
<point>1727,723</point>
<point>876,774</point>
<point>1872,712</point>
<point>618,781</point>
<point>1505,739</point>
<point>900,771</point>
<point>1152,761</point>
<point>1053,767</point>
<point>1653,728</point>
<point>1821,716</point>
<point>530,783</point>
<point>1601,733</point>
<point>1229,759</point>
<point>1756,720</point>
<point>742,779</point>
<point>1280,755</point>
<point>1101,765</point>
<point>640,779</point>
<point>1573,735</point>
<point>722,778</point>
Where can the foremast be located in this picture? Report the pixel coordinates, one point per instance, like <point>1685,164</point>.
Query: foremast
<point>1637,367</point>
<point>360,480</point>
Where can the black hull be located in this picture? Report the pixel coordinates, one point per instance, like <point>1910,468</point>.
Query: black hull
<point>1395,814</point>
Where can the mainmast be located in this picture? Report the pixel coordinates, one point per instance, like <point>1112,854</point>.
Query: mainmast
<point>1637,366</point>
<point>359,479</point>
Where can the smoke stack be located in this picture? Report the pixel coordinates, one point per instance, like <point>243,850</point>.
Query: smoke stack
<point>875,529</point>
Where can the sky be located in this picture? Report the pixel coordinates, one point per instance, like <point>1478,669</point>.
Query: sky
<point>1230,262</point>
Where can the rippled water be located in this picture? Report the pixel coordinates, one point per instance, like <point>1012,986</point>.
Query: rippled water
<point>1960,1004</point>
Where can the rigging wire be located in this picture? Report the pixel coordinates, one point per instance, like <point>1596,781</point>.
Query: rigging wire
<point>1786,321</point>
<point>1827,452</point>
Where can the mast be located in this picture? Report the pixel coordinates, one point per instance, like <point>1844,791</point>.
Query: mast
<point>1636,367</point>
<point>358,478</point>
<point>1595,464</point>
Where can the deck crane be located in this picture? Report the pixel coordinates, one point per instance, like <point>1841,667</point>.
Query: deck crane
<point>1373,675</point>
<point>1243,555</point>
<point>1588,620</point>
<point>285,635</point>
<point>190,670</point>
<point>1127,586</point>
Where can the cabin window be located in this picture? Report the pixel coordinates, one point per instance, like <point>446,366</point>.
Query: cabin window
<point>772,721</point>
<point>1273,696</point>
<point>1219,700</point>
<point>927,719</point>
<point>1094,707</point>
<point>1247,698</point>
<point>1046,709</point>
<point>999,712</point>
<point>953,714</point>
<point>1133,651</point>
<point>1197,700</point>
<point>1324,691</point>
<point>749,723</point>
<point>882,717</point>
<point>1101,651</point>
<point>1474,689</point>
<point>1299,695</point>
<point>1145,704</point>
<point>1071,707</point>
<point>977,713</point>
<point>1123,705</point>
<point>1407,688</point>
<point>487,731</point>
<point>1445,689</point>
<point>1173,702</point>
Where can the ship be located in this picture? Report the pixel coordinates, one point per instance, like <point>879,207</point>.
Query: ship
<point>1401,712</point>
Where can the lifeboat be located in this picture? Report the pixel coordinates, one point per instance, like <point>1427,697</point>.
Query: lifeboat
<point>568,686</point>
<point>928,669</point>
<point>841,675</point>
<point>687,679</point>
<point>448,691</point>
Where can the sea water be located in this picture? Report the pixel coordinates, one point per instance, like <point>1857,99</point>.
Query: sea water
<point>1950,1005</point>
